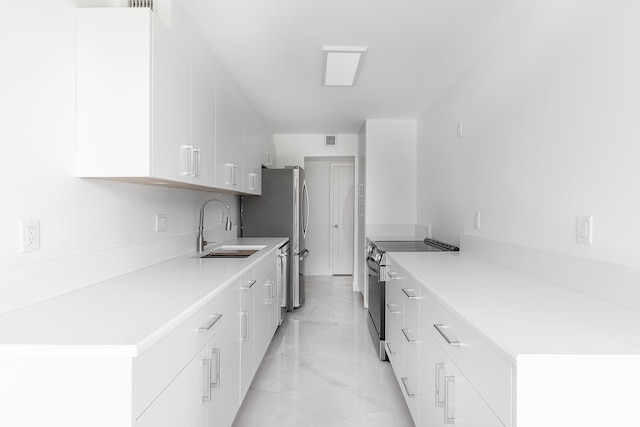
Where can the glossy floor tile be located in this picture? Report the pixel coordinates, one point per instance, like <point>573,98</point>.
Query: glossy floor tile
<point>321,368</point>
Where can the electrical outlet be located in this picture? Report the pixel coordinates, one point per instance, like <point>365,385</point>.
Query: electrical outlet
<point>476,220</point>
<point>29,235</point>
<point>161,223</point>
<point>584,230</point>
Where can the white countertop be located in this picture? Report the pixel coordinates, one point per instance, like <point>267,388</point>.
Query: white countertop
<point>520,314</point>
<point>124,316</point>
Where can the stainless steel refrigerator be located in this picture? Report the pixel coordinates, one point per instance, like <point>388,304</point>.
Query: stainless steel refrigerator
<point>281,211</point>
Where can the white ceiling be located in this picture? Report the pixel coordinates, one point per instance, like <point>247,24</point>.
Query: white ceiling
<point>416,49</point>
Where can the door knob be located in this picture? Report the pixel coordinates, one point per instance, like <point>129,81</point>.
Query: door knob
<point>335,226</point>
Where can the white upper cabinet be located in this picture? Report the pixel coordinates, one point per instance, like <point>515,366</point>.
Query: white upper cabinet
<point>203,125</point>
<point>251,157</point>
<point>134,97</point>
<point>229,140</point>
<point>150,110</point>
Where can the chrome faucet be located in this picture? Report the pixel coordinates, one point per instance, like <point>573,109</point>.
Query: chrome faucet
<point>201,242</point>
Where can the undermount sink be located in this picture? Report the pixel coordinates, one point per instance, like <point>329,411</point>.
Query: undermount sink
<point>233,251</point>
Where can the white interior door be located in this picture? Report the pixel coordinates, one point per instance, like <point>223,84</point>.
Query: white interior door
<point>342,227</point>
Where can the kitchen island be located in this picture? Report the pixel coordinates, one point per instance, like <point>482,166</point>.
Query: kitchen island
<point>108,354</point>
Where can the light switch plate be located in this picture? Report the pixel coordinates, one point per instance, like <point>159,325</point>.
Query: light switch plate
<point>161,223</point>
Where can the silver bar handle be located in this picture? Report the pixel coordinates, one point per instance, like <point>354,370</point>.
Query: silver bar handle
<point>228,173</point>
<point>209,323</point>
<point>391,310</point>
<point>409,293</point>
<point>251,283</point>
<point>440,328</point>
<point>197,162</point>
<point>187,160</point>
<point>271,293</point>
<point>392,275</point>
<point>215,379</point>
<point>244,332</point>
<point>448,401</point>
<point>439,396</point>
<point>206,384</point>
<point>235,174</point>
<point>406,335</point>
<point>388,345</point>
<point>405,380</point>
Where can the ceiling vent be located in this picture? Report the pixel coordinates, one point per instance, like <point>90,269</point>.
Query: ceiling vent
<point>330,141</point>
<point>141,3</point>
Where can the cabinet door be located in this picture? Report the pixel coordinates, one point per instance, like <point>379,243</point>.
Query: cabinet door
<point>203,129</point>
<point>434,364</point>
<point>182,403</point>
<point>262,338</point>
<point>251,157</point>
<point>446,396</point>
<point>171,105</point>
<point>228,141</point>
<point>225,379</point>
<point>247,338</point>
<point>274,305</point>
<point>463,405</point>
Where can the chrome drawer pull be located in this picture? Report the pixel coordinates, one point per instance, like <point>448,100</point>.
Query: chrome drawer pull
<point>391,310</point>
<point>448,404</point>
<point>251,283</point>
<point>393,275</point>
<point>215,379</point>
<point>206,384</point>
<point>410,295</point>
<point>406,389</point>
<point>439,327</point>
<point>406,335</point>
<point>391,353</point>
<point>244,326</point>
<point>209,323</point>
<point>439,369</point>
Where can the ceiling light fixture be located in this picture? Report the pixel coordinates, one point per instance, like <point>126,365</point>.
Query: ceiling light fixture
<point>342,65</point>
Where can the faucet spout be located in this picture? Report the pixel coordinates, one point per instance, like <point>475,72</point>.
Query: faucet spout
<point>201,243</point>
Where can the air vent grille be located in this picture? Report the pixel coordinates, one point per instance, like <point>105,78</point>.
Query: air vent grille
<point>141,3</point>
<point>330,141</point>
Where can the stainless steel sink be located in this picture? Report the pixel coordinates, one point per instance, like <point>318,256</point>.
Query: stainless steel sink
<point>233,251</point>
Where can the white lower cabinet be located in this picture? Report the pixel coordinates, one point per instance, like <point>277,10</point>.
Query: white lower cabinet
<point>257,320</point>
<point>436,391</point>
<point>445,396</point>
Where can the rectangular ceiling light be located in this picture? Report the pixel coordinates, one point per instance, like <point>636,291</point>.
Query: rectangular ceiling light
<point>342,65</point>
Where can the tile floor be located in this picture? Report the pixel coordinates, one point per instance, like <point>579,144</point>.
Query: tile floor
<point>321,368</point>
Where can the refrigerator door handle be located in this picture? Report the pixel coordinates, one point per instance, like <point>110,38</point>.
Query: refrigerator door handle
<point>305,191</point>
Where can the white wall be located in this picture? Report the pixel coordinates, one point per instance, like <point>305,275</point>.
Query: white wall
<point>550,131</point>
<point>390,173</point>
<point>90,230</point>
<point>293,148</point>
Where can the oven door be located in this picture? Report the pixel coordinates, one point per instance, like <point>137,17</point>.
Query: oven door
<point>376,307</point>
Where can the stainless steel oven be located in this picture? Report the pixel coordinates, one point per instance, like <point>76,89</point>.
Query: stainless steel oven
<point>376,296</point>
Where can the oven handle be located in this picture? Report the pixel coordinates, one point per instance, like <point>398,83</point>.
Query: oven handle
<point>373,266</point>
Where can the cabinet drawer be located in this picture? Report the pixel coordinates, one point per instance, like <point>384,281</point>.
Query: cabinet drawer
<point>488,371</point>
<point>160,364</point>
<point>251,280</point>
